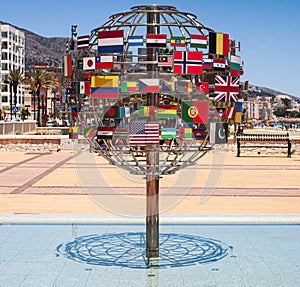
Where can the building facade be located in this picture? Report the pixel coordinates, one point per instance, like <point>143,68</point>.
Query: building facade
<point>12,56</point>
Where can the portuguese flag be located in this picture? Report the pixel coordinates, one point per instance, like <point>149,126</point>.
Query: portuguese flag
<point>195,112</point>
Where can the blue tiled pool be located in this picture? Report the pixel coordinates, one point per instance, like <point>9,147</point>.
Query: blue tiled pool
<point>113,255</point>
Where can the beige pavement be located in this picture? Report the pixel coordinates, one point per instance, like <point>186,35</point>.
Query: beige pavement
<point>52,184</point>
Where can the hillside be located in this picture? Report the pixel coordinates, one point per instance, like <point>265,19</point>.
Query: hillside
<point>39,49</point>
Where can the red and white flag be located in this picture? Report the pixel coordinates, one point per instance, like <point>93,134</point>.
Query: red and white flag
<point>187,62</point>
<point>201,87</point>
<point>89,63</point>
<point>83,42</point>
<point>67,65</point>
<point>104,62</point>
<point>156,40</point>
<point>142,133</point>
<point>226,88</point>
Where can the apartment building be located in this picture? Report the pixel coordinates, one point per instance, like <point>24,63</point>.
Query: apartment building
<point>12,56</point>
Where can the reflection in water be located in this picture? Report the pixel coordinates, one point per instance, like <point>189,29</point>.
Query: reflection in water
<point>128,250</point>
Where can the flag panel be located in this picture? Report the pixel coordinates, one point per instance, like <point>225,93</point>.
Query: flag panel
<point>201,87</point>
<point>67,66</point>
<point>146,111</point>
<point>166,111</point>
<point>185,87</point>
<point>110,41</point>
<point>104,62</point>
<point>71,88</point>
<point>186,133</point>
<point>207,63</point>
<point>126,112</point>
<point>105,133</point>
<point>168,133</point>
<point>235,62</point>
<point>177,41</point>
<point>226,88</point>
<point>218,43</point>
<point>167,86</point>
<point>195,112</point>
<point>142,133</point>
<point>120,133</point>
<point>218,133</point>
<point>156,40</point>
<point>129,86</point>
<point>187,62</point>
<point>198,41</point>
<point>149,85</point>
<point>83,42</point>
<point>112,112</point>
<point>135,40</point>
<point>165,61</point>
<point>198,134</point>
<point>89,63</point>
<point>83,87</point>
<point>219,64</point>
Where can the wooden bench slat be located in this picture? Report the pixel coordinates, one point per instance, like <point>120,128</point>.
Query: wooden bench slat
<point>271,138</point>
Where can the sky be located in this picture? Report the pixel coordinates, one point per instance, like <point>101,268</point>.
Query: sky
<point>267,29</point>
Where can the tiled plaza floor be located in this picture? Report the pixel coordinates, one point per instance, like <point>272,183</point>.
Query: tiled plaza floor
<point>210,255</point>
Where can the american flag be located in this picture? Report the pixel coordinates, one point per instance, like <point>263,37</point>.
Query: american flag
<point>141,133</point>
<point>226,88</point>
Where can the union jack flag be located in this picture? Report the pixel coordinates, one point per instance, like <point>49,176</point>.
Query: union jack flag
<point>226,88</point>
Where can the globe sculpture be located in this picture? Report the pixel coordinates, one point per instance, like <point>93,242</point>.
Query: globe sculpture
<point>158,85</point>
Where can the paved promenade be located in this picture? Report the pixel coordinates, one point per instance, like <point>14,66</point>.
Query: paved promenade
<point>68,183</point>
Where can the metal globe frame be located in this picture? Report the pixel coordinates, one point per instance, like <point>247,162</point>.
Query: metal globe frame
<point>133,64</point>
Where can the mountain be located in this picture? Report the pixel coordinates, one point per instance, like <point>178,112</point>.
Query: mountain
<point>256,91</point>
<point>39,49</point>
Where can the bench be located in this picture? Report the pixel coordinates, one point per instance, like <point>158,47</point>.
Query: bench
<point>259,139</point>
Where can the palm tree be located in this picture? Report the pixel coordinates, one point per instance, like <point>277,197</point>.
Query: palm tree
<point>25,113</point>
<point>38,80</point>
<point>15,77</point>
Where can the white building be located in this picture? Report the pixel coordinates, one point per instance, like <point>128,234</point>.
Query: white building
<point>12,56</point>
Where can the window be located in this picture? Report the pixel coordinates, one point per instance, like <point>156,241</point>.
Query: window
<point>4,99</point>
<point>4,34</point>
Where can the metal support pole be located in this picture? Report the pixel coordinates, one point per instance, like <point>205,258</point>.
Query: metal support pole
<point>152,185</point>
<point>152,210</point>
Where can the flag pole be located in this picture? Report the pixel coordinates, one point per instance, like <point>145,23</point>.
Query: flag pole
<point>152,178</point>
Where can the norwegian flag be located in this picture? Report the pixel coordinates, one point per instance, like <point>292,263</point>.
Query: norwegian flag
<point>226,88</point>
<point>187,63</point>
